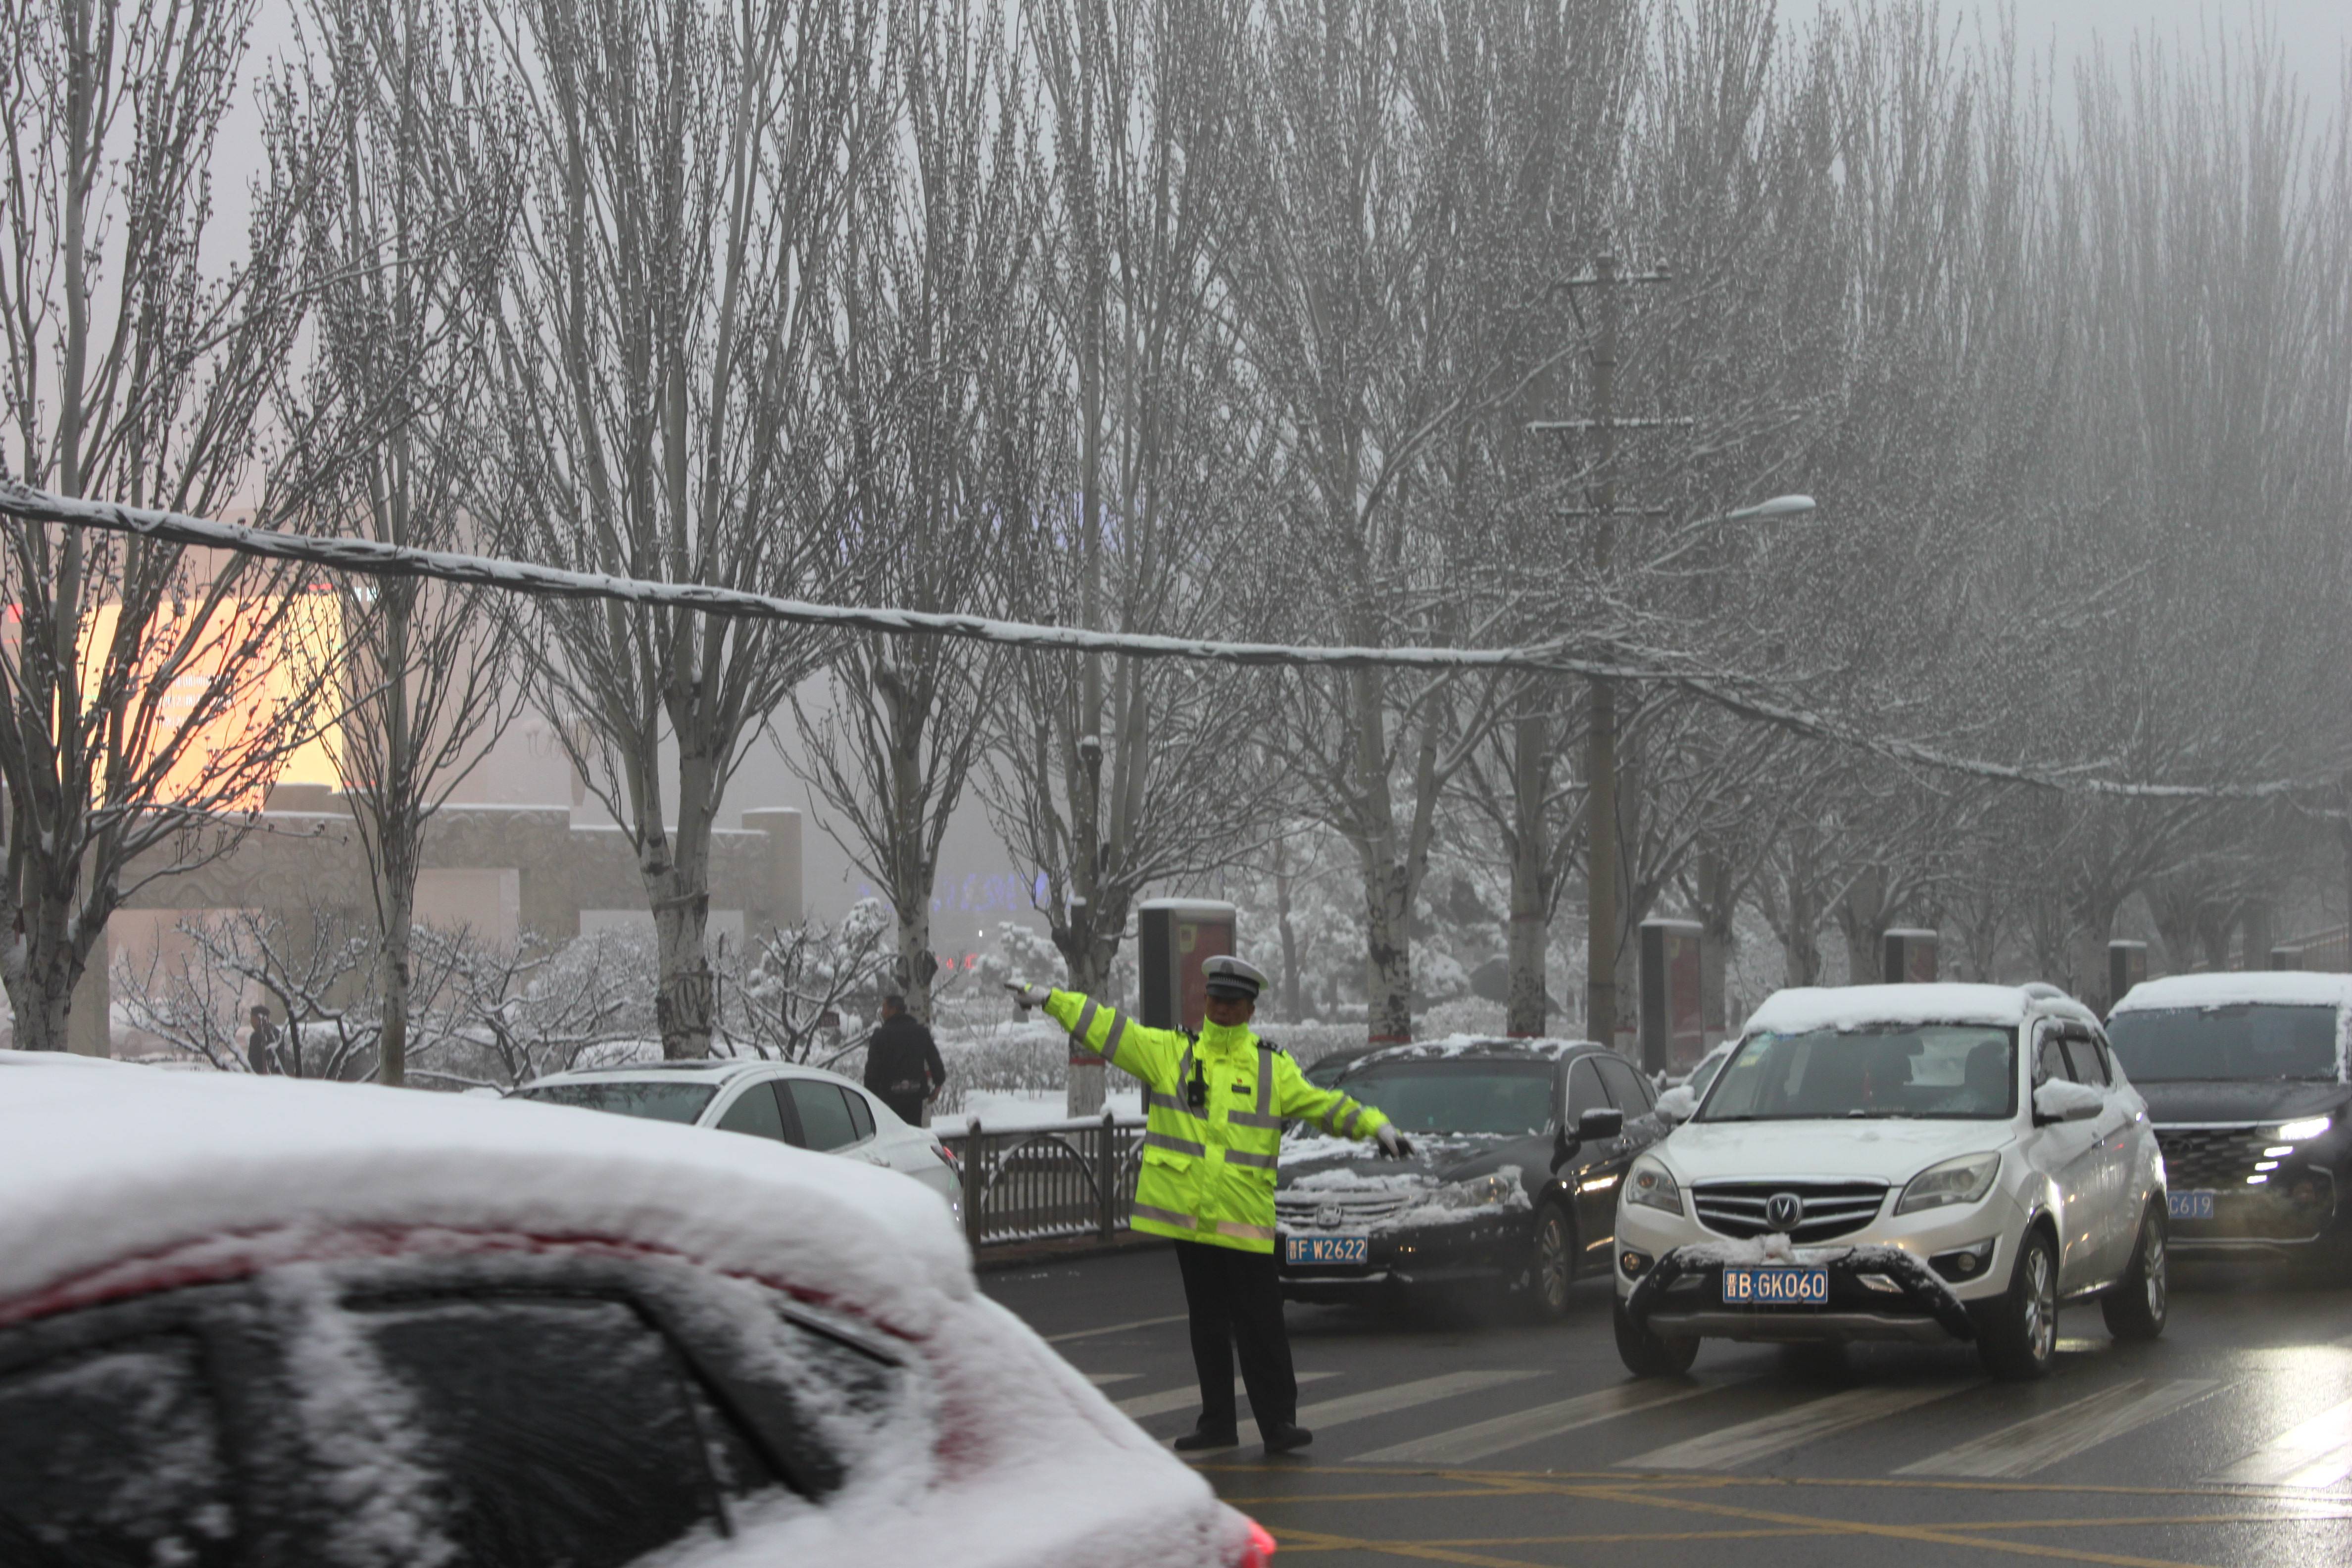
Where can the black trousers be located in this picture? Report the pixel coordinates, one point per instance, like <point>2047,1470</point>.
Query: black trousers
<point>908,1108</point>
<point>1235,1300</point>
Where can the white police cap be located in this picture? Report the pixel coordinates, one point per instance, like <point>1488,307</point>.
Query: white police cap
<point>1229,976</point>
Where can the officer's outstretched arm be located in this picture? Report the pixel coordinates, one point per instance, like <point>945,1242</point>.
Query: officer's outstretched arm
<point>1150,1054</point>
<point>1327,1109</point>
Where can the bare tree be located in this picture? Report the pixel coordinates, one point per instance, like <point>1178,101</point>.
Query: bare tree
<point>788,999</point>
<point>1111,775</point>
<point>150,691</point>
<point>670,309</point>
<point>941,372</point>
<point>409,247</point>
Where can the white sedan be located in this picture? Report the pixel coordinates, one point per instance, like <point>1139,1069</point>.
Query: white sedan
<point>249,1320</point>
<point>1931,1163</point>
<point>806,1107</point>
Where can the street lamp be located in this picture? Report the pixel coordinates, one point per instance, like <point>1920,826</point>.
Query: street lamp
<point>1780,509</point>
<point>1764,512</point>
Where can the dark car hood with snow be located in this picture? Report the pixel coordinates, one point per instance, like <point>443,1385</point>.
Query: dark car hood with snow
<point>1313,1164</point>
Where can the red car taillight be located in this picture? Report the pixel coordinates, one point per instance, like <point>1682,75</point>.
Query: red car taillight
<point>1259,1553</point>
<point>946,1156</point>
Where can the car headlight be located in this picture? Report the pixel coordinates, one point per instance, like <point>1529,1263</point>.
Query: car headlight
<point>2309,1127</point>
<point>1653,1187</point>
<point>1479,1192</point>
<point>1962,1181</point>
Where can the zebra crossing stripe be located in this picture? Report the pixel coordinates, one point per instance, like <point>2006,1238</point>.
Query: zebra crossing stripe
<point>1475,1441</point>
<point>1099,1378</point>
<point>2318,1453</point>
<point>2061,1434</point>
<point>1791,1428</point>
<point>1402,1397</point>
<point>1142,1406</point>
<point>1396,1396</point>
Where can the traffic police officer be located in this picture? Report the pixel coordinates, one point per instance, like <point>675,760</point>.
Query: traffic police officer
<point>1215,1104</point>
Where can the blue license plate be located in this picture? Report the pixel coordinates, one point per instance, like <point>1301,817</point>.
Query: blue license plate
<point>1776,1286</point>
<point>2198,1204</point>
<point>1325,1249</point>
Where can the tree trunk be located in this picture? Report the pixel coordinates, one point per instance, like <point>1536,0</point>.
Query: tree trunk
<point>392,1044</point>
<point>1293,1001</point>
<point>676,871</point>
<point>1529,1006</point>
<point>41,994</point>
<point>1862,919</point>
<point>1602,878</point>
<point>1718,905</point>
<point>1388,970</point>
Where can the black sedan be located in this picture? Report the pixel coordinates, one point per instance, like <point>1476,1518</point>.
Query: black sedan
<point>1518,1148</point>
<point>2246,1082</point>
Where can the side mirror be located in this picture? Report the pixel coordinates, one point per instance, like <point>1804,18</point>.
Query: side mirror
<point>1600,1125</point>
<point>2082,1110</point>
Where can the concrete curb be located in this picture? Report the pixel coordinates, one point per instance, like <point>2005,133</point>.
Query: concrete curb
<point>1020,1254</point>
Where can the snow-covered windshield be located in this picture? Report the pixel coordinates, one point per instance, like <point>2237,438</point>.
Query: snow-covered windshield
<point>1941,1070</point>
<point>1507,1097</point>
<point>2248,1040</point>
<point>655,1101</point>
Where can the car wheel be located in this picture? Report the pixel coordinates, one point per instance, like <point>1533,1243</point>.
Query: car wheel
<point>1646,1354</point>
<point>2135,1306</point>
<point>2017,1332</point>
<point>1552,1270</point>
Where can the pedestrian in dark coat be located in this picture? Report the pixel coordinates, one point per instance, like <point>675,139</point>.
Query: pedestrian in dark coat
<point>902,1062</point>
<point>261,1044</point>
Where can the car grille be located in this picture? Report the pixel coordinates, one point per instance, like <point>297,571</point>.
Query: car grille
<point>1832,1208</point>
<point>1355,1211</point>
<point>2197,1157</point>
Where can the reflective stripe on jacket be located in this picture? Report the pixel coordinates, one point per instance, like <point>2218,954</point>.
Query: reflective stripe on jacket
<point>1208,1176</point>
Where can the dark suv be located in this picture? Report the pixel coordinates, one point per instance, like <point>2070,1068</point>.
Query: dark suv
<point>1519,1146</point>
<point>2245,1079</point>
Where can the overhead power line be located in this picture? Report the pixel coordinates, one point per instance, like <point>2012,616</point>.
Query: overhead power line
<point>1747,697</point>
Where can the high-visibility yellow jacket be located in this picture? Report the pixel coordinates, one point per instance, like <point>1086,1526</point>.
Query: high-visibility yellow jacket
<point>1208,1175</point>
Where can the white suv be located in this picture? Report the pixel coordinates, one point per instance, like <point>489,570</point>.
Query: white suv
<point>1930,1162</point>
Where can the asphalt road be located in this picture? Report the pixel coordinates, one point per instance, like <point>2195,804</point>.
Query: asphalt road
<point>1469,1432</point>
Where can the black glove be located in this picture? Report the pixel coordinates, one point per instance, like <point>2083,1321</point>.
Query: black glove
<point>1394,1144</point>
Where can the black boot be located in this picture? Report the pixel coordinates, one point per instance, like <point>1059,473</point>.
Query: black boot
<point>1202,1437</point>
<point>1282,1439</point>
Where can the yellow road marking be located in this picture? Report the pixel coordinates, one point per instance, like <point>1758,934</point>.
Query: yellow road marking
<point>2248,1491</point>
<point>1883,1531</point>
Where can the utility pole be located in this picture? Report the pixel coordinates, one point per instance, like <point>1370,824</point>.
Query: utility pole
<point>1603,914</point>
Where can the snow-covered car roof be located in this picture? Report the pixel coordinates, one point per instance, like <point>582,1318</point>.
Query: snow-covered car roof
<point>109,1170</point>
<point>55,1059</point>
<point>712,1069</point>
<point>2283,987</point>
<point>1491,1048</point>
<point>126,1183</point>
<point>1806,1008</point>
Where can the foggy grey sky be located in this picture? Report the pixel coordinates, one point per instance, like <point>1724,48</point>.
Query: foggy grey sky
<point>2313,33</point>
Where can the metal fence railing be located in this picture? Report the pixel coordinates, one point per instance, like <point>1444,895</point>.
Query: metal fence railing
<point>1040,1181</point>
